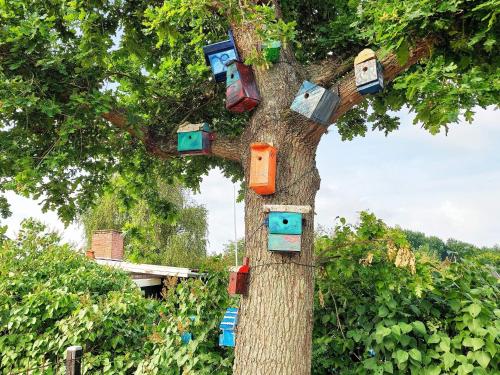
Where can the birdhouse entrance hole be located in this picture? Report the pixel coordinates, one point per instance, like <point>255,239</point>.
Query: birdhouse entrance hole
<point>306,95</point>
<point>285,221</point>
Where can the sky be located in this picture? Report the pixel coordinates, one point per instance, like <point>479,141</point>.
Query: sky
<point>448,186</point>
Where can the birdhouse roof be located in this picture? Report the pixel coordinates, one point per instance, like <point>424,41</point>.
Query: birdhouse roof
<point>365,55</point>
<point>187,127</point>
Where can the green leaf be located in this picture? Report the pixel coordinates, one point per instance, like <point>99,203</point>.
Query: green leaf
<point>465,368</point>
<point>415,355</point>
<point>401,356</point>
<point>448,360</point>
<point>433,339</point>
<point>474,342</point>
<point>474,309</point>
<point>388,367</point>
<point>419,327</point>
<point>482,358</point>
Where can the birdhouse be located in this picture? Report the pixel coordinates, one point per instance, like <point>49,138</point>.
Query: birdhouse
<point>285,223</point>
<point>242,94</point>
<point>228,327</point>
<point>262,168</point>
<point>238,279</point>
<point>187,336</point>
<point>272,50</point>
<point>218,54</point>
<point>316,103</point>
<point>194,139</point>
<point>287,243</point>
<point>369,73</point>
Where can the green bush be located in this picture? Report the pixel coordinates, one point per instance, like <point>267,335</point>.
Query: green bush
<point>52,297</point>
<point>379,308</point>
<point>372,316</point>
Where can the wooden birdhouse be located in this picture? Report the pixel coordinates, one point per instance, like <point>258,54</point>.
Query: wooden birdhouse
<point>228,328</point>
<point>262,168</point>
<point>238,279</point>
<point>272,50</point>
<point>218,54</point>
<point>242,94</point>
<point>316,103</point>
<point>369,73</point>
<point>285,223</point>
<point>194,139</point>
<point>285,227</point>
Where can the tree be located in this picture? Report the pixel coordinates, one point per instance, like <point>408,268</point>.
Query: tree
<point>150,237</point>
<point>90,88</point>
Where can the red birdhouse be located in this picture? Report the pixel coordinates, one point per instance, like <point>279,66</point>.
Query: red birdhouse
<point>238,279</point>
<point>242,94</point>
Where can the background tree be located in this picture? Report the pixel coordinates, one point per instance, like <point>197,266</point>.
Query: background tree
<point>178,237</point>
<point>91,88</point>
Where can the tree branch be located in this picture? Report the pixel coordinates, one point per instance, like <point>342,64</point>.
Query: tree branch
<point>166,147</point>
<point>324,75</point>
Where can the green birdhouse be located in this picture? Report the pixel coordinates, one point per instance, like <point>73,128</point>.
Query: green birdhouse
<point>194,139</point>
<point>272,50</point>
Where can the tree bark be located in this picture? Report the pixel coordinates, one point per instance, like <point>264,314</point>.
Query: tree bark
<point>274,333</point>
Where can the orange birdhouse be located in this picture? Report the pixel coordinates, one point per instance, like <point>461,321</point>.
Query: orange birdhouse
<point>263,168</point>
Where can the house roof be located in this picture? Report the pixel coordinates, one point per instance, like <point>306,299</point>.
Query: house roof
<point>149,269</point>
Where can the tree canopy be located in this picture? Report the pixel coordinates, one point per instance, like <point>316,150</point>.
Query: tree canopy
<point>92,88</point>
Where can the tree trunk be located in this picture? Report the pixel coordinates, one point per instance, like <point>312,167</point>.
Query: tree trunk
<point>274,334</point>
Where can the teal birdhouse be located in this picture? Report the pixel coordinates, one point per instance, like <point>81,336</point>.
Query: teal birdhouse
<point>272,51</point>
<point>316,103</point>
<point>194,139</point>
<point>285,223</point>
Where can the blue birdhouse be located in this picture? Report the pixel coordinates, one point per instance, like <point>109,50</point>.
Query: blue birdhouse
<point>368,72</point>
<point>228,328</point>
<point>218,54</point>
<point>316,103</point>
<point>285,223</point>
<point>194,139</point>
<point>187,336</point>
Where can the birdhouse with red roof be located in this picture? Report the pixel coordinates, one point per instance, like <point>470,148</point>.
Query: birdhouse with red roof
<point>238,279</point>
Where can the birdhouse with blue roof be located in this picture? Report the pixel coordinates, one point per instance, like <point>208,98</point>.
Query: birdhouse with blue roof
<point>242,94</point>
<point>316,103</point>
<point>284,224</point>
<point>228,328</point>
<point>218,54</point>
<point>368,72</point>
<point>194,139</point>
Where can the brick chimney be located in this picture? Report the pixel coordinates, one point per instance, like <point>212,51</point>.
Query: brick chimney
<point>107,244</point>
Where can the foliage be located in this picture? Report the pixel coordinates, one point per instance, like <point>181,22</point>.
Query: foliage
<point>452,249</point>
<point>374,317</point>
<point>374,312</point>
<point>65,63</point>
<point>176,238</point>
<point>52,297</point>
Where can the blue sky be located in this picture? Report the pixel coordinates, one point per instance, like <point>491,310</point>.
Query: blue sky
<point>447,186</point>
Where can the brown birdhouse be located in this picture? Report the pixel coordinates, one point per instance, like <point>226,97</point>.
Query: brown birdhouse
<point>238,279</point>
<point>242,94</point>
